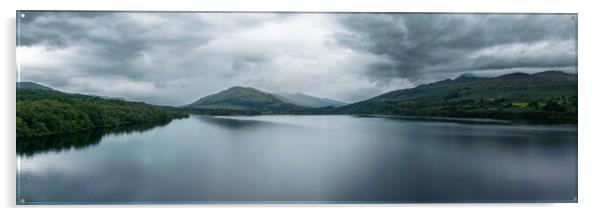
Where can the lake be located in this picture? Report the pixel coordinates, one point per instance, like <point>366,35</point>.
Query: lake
<point>291,159</point>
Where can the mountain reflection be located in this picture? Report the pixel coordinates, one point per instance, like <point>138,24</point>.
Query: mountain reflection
<point>239,124</point>
<point>77,140</point>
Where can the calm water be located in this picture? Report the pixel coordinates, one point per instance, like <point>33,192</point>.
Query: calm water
<point>302,158</point>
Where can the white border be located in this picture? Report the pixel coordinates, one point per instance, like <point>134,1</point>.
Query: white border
<point>589,106</point>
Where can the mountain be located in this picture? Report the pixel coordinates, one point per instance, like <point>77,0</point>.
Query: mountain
<point>245,100</point>
<point>549,95</point>
<point>32,85</point>
<point>514,86</point>
<point>468,77</point>
<point>309,101</point>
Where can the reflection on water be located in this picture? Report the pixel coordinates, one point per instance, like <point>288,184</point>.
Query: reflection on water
<point>303,159</point>
<point>238,123</point>
<point>77,140</point>
<point>440,119</point>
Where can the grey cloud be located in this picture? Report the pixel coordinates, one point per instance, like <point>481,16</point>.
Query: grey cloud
<point>147,56</point>
<point>415,44</point>
<point>115,38</point>
<point>175,58</point>
<point>245,63</point>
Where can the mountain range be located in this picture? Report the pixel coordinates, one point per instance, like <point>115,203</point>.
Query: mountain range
<point>546,96</point>
<point>549,95</point>
<point>514,87</point>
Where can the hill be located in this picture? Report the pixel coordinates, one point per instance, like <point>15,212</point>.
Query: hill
<point>309,101</point>
<point>545,96</point>
<point>241,100</point>
<point>32,85</point>
<point>468,77</point>
<point>43,112</point>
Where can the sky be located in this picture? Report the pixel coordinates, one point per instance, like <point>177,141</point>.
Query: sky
<point>177,58</point>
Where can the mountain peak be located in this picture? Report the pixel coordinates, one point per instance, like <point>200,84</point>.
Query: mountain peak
<point>242,98</point>
<point>468,77</point>
<point>240,88</point>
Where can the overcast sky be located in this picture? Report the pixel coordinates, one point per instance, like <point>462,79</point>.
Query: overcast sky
<point>176,58</point>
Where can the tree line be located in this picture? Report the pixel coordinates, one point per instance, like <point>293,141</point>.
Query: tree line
<point>43,112</point>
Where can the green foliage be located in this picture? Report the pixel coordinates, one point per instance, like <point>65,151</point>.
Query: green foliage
<point>553,106</point>
<point>41,112</point>
<point>546,96</point>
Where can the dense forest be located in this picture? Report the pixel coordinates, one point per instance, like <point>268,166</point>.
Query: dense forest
<point>43,112</point>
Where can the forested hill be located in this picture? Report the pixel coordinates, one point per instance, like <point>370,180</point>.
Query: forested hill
<point>42,111</point>
<point>242,100</point>
<point>545,96</point>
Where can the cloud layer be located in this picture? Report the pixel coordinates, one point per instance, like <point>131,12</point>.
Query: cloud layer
<point>175,58</point>
<point>416,44</point>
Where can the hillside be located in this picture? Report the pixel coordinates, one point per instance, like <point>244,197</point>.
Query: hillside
<point>42,112</point>
<point>309,101</point>
<point>546,96</point>
<point>241,100</point>
<point>514,86</point>
<point>31,85</point>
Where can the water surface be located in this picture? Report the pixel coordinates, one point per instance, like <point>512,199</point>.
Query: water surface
<point>302,159</point>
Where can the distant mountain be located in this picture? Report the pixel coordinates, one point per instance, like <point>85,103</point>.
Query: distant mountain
<point>550,95</point>
<point>468,77</point>
<point>309,101</point>
<point>111,98</point>
<point>514,86</point>
<point>32,85</point>
<point>244,99</point>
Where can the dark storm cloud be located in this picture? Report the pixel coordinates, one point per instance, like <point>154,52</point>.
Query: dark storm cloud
<point>414,44</point>
<point>54,24</point>
<point>116,38</point>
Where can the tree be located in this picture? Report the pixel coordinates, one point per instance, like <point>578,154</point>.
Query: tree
<point>553,106</point>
